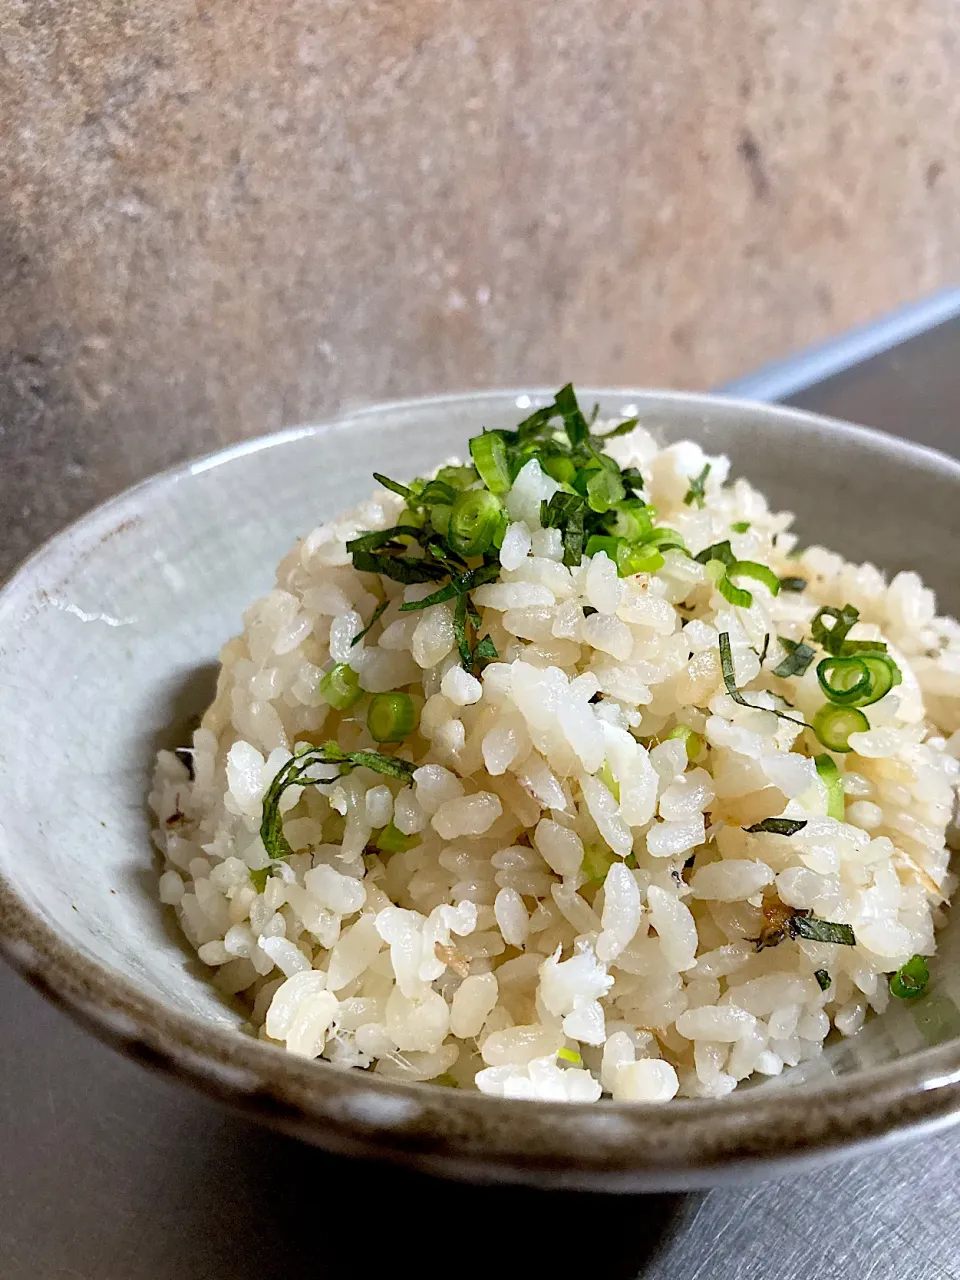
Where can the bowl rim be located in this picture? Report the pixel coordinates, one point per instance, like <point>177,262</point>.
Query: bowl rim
<point>614,1146</point>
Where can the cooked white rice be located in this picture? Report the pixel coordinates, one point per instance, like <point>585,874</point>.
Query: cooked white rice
<point>486,954</point>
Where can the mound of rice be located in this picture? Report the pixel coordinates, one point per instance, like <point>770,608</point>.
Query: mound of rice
<point>581,911</point>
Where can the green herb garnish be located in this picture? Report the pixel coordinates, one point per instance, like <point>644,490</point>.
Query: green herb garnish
<point>834,637</point>
<point>297,773</point>
<point>829,775</point>
<point>259,877</point>
<point>391,717</point>
<point>816,930</point>
<point>777,826</point>
<point>392,840</point>
<point>833,726</point>
<point>911,979</point>
<point>696,493</point>
<point>793,584</point>
<point>623,429</point>
<point>798,659</point>
<point>340,687</point>
<point>730,682</point>
<point>395,487</point>
<point>399,568</point>
<point>597,861</point>
<point>476,519</point>
<point>721,551</point>
<point>759,573</point>
<point>484,651</point>
<point>377,615</point>
<point>741,526</point>
<point>574,423</point>
<point>823,979</point>
<point>691,740</point>
<point>571,1056</point>
<point>459,585</point>
<point>490,458</point>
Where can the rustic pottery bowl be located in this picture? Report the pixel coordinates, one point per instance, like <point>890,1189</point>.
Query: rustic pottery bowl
<point>108,638</point>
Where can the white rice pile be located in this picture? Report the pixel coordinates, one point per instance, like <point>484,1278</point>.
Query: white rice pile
<point>579,911</point>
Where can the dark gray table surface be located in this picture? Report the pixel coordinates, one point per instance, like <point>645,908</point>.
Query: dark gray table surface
<point>109,1173</point>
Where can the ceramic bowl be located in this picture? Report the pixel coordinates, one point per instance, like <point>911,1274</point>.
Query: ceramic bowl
<point>108,644</point>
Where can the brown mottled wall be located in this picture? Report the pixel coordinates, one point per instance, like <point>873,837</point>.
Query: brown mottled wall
<point>220,216</point>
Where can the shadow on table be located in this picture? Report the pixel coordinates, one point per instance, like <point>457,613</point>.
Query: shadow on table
<point>318,1211</point>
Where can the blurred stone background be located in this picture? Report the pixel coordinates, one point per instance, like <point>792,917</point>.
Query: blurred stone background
<point>218,217</point>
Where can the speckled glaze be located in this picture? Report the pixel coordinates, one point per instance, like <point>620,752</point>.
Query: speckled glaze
<point>107,640</point>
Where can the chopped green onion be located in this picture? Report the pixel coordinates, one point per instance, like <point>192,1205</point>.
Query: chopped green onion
<point>440,518</point>
<point>609,781</point>
<point>721,551</point>
<point>798,659</point>
<point>823,979</point>
<point>340,687</point>
<point>815,930</point>
<point>884,672</point>
<point>395,487</point>
<point>597,861</point>
<point>490,456</point>
<point>833,726</point>
<point>777,826</point>
<point>911,979</point>
<point>758,572</point>
<point>570,1055</point>
<point>632,559</point>
<point>604,490</point>
<point>691,740</point>
<point>846,681</point>
<point>458,477</point>
<point>377,615</point>
<point>829,775</point>
<point>391,717</point>
<point>597,543</point>
<point>434,491</point>
<point>793,584</point>
<point>633,520</point>
<point>474,521</point>
<point>735,595</point>
<point>741,526</point>
<point>696,493</point>
<point>716,572</point>
<point>858,680</point>
<point>391,840</point>
<point>560,466</point>
<point>832,637</point>
<point>665,539</point>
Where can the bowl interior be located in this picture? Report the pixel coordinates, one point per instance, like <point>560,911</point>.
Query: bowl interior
<point>109,638</point>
